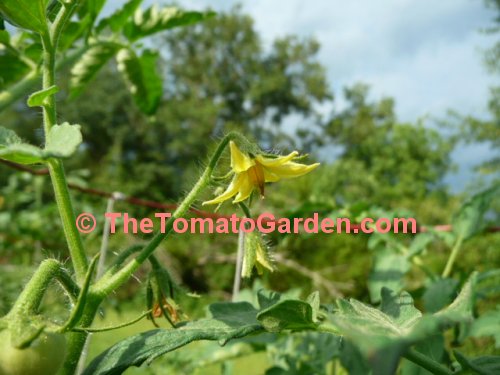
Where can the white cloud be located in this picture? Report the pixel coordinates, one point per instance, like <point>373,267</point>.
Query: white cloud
<point>424,53</point>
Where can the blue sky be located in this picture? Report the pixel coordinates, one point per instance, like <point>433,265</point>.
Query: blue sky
<point>424,53</point>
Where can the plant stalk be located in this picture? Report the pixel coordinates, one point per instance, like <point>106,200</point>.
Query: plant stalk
<point>426,363</point>
<point>453,256</point>
<point>110,282</point>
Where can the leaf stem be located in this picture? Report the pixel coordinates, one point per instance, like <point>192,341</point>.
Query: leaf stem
<point>453,256</point>
<point>108,282</point>
<point>426,363</point>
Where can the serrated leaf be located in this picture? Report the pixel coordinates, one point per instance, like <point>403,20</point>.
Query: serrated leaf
<point>145,84</point>
<point>487,365</point>
<point>462,307</point>
<point>27,14</point>
<point>155,19</point>
<point>439,294</point>
<point>288,314</point>
<point>13,149</point>
<point>470,218</point>
<point>388,271</point>
<point>37,99</point>
<point>63,140</point>
<point>384,335</point>
<point>487,325</point>
<point>90,63</point>
<point>120,17</point>
<point>226,321</point>
<point>400,308</point>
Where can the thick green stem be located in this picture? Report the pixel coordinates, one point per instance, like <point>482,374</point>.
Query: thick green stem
<point>110,282</point>
<point>426,363</point>
<point>76,340</point>
<point>48,79</point>
<point>29,300</point>
<point>453,256</point>
<point>63,200</point>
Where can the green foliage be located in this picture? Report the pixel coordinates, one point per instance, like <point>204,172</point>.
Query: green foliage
<point>213,77</point>
<point>96,56</point>
<point>141,73</point>
<point>154,20</point>
<point>62,142</point>
<point>37,99</point>
<point>225,321</point>
<point>27,14</point>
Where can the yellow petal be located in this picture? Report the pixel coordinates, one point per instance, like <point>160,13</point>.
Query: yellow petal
<point>239,161</point>
<point>246,188</point>
<point>274,162</point>
<point>290,169</point>
<point>231,191</point>
<point>270,176</point>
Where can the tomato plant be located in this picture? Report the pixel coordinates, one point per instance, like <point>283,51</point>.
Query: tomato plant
<point>390,334</point>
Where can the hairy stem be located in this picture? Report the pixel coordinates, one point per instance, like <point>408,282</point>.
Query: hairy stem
<point>31,296</point>
<point>67,214</point>
<point>108,282</point>
<point>63,200</point>
<point>426,363</point>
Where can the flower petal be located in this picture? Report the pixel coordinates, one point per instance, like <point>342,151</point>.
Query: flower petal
<point>274,162</point>
<point>290,169</point>
<point>246,188</point>
<point>270,176</point>
<point>239,161</point>
<point>231,191</point>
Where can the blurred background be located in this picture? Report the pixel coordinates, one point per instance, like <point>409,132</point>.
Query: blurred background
<point>397,99</point>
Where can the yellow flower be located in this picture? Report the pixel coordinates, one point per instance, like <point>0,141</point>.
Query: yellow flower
<point>252,172</point>
<point>256,255</point>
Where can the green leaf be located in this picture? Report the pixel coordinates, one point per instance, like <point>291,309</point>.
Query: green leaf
<point>384,335</point>
<point>144,81</point>
<point>63,140</point>
<point>462,307</point>
<point>37,99</point>
<point>4,37</point>
<point>439,294</point>
<point>487,365</point>
<point>420,243</point>
<point>226,321</point>
<point>487,325</point>
<point>400,308</point>
<point>470,218</point>
<point>120,17</point>
<point>12,68</point>
<point>154,20</point>
<point>27,14</point>
<point>13,149</point>
<point>287,314</point>
<point>388,271</point>
<point>90,63</point>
